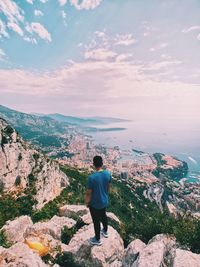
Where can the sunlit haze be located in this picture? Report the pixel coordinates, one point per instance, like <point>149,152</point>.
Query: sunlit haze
<point>130,59</point>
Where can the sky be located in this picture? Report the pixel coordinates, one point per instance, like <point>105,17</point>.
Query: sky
<point>120,58</point>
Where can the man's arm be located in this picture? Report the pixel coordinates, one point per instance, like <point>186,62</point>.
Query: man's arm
<point>88,197</point>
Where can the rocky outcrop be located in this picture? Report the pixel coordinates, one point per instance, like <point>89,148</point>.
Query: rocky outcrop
<point>132,251</point>
<point>19,255</point>
<point>14,230</point>
<point>73,210</point>
<point>52,227</point>
<point>156,252</point>
<point>161,250</point>
<point>186,259</point>
<point>109,254</point>
<point>23,167</point>
<point>83,213</point>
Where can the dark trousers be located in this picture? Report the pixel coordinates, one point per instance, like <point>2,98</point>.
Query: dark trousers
<point>98,216</point>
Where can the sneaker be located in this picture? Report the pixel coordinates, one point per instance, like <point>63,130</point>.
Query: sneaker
<point>94,241</point>
<point>104,233</point>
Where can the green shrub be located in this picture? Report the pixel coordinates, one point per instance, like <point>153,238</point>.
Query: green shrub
<point>4,140</point>
<point>67,234</point>
<point>66,260</point>
<point>36,156</point>
<point>17,181</point>
<point>11,207</point>
<point>8,130</point>
<point>31,180</point>
<point>1,186</point>
<point>20,156</point>
<point>3,240</point>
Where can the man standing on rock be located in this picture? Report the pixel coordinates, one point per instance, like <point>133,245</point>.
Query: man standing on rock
<point>96,199</point>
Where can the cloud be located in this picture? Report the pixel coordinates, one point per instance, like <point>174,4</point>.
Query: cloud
<point>3,31</point>
<point>95,87</point>
<point>30,1</point>
<point>158,47</point>
<point>12,11</point>
<point>126,39</point>
<point>15,21</point>
<point>62,2</point>
<point>123,57</point>
<point>163,64</point>
<point>149,30</point>
<point>30,40</point>
<point>100,54</point>
<point>2,54</point>
<point>192,28</point>
<point>38,12</point>
<point>85,4</point>
<point>39,29</point>
<point>104,47</point>
<point>44,1</point>
<point>99,34</point>
<point>165,56</point>
<point>16,28</point>
<point>64,16</point>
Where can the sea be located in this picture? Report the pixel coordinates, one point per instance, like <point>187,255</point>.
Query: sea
<point>181,140</point>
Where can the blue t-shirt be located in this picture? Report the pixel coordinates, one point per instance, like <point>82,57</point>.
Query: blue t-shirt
<point>99,182</point>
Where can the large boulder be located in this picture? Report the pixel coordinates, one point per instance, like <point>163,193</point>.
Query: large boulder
<point>156,252</point>
<point>73,210</point>
<point>52,227</point>
<point>185,258</point>
<point>82,212</point>
<point>19,255</point>
<point>132,251</point>
<point>109,254</point>
<point>49,245</point>
<point>15,229</point>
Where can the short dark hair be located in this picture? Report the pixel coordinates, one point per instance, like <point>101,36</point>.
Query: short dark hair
<point>98,161</point>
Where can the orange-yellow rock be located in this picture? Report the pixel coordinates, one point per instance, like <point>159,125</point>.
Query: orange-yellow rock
<point>37,246</point>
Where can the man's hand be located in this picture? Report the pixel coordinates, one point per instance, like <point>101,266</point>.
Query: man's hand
<point>88,197</point>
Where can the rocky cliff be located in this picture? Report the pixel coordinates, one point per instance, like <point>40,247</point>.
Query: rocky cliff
<point>22,168</point>
<point>160,251</point>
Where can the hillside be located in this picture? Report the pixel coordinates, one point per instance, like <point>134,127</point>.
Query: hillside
<point>52,132</point>
<point>23,170</point>
<point>42,131</point>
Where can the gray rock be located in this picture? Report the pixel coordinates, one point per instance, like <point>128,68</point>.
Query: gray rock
<point>132,251</point>
<point>184,258</point>
<point>153,255</point>
<point>15,229</point>
<point>19,255</point>
<point>52,227</point>
<point>109,254</point>
<point>73,210</point>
